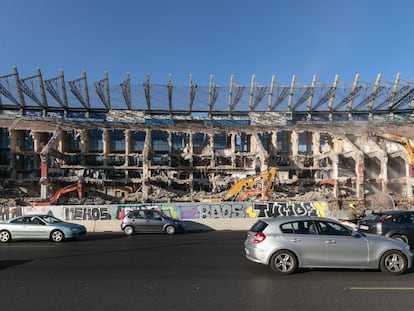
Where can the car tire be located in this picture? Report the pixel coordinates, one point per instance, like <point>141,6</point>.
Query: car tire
<point>129,230</point>
<point>5,236</point>
<point>170,230</point>
<point>401,237</point>
<point>393,262</point>
<point>283,262</point>
<point>57,236</point>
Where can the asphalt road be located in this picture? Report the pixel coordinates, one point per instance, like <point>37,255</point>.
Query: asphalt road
<point>192,271</point>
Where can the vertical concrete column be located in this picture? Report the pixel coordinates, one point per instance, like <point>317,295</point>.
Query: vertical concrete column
<point>44,165</point>
<point>337,148</point>
<point>233,149</point>
<point>294,140</point>
<point>146,163</point>
<point>13,147</point>
<point>211,147</point>
<point>106,148</point>
<point>384,173</point>
<point>190,150</point>
<point>37,138</point>
<point>84,139</point>
<point>316,142</point>
<point>127,137</point>
<point>359,169</point>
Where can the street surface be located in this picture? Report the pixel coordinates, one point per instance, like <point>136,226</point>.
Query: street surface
<point>191,271</point>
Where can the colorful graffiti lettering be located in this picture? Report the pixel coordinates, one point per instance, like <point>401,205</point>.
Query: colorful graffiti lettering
<point>221,211</point>
<point>274,209</point>
<point>86,213</point>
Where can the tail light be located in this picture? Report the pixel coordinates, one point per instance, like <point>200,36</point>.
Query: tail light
<point>259,237</point>
<point>385,218</point>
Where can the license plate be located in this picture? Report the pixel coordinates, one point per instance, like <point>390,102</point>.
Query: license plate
<point>363,227</point>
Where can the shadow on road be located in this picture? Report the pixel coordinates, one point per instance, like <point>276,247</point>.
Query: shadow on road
<point>192,226</point>
<point>4,264</point>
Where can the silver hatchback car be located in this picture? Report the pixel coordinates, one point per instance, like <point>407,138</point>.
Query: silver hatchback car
<point>289,243</point>
<point>150,220</point>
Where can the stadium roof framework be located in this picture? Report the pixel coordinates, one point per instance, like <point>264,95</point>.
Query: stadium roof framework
<point>316,102</point>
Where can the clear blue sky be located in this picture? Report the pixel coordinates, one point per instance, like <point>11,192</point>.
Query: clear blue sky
<point>218,37</point>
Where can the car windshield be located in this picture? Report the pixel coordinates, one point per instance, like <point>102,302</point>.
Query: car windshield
<point>50,219</point>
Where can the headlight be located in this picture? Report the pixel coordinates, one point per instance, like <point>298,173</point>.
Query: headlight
<point>75,229</point>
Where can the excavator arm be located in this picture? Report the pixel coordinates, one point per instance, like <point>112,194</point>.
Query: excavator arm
<point>248,183</point>
<point>399,139</point>
<point>76,187</point>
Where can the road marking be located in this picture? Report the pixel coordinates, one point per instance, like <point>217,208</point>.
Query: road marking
<point>381,288</point>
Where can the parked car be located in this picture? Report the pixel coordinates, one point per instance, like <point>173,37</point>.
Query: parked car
<point>150,220</point>
<point>39,227</point>
<point>396,224</point>
<point>292,242</point>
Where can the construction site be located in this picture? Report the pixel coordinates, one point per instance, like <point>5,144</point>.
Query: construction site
<point>75,142</point>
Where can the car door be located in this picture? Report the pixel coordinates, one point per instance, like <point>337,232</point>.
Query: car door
<point>310,247</point>
<point>154,221</point>
<point>17,227</point>
<point>410,229</point>
<point>138,221</point>
<point>39,228</point>
<point>343,248</point>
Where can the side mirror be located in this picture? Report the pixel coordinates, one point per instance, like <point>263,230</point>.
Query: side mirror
<point>355,234</point>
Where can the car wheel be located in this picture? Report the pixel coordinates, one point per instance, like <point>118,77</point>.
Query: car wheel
<point>128,230</point>
<point>170,230</point>
<point>57,236</point>
<point>400,238</point>
<point>393,262</point>
<point>283,262</point>
<point>5,236</point>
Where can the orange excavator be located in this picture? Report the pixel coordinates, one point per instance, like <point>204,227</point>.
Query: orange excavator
<point>76,187</point>
<point>248,187</point>
<point>399,139</point>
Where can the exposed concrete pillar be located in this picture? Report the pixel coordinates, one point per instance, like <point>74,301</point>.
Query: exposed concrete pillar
<point>316,142</point>
<point>13,150</point>
<point>294,140</point>
<point>84,138</point>
<point>233,149</point>
<point>211,147</point>
<point>359,169</point>
<point>146,165</point>
<point>106,145</point>
<point>127,137</point>
<point>384,173</point>
<point>44,165</point>
<point>191,151</point>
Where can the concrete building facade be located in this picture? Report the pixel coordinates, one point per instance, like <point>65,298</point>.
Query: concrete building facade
<point>149,143</point>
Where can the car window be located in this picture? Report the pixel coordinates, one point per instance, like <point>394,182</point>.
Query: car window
<point>299,227</point>
<point>151,214</point>
<point>331,228</point>
<point>404,219</point>
<point>137,215</point>
<point>259,226</point>
<point>17,220</point>
<point>37,221</point>
<point>28,220</point>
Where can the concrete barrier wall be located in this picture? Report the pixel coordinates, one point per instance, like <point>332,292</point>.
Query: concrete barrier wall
<point>197,215</point>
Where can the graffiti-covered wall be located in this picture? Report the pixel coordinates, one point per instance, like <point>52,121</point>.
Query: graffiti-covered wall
<point>197,210</point>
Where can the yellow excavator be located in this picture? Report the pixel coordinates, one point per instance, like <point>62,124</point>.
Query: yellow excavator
<point>399,139</point>
<point>252,186</point>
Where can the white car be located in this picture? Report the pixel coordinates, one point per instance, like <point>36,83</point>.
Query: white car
<point>39,227</point>
<point>289,243</point>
